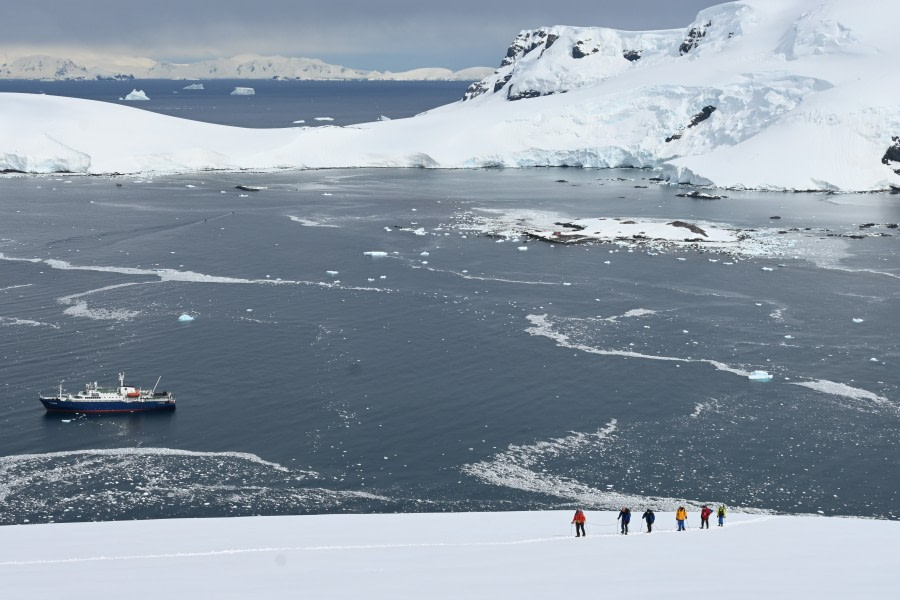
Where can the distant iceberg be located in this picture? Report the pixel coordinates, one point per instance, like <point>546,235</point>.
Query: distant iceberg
<point>243,91</point>
<point>194,86</point>
<point>137,95</point>
<point>760,376</point>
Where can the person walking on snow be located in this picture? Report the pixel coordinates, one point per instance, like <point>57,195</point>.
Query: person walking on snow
<point>721,514</point>
<point>681,517</point>
<point>704,516</point>
<point>625,515</point>
<point>649,517</point>
<point>579,521</point>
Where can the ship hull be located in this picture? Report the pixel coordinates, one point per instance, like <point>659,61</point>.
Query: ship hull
<point>87,407</point>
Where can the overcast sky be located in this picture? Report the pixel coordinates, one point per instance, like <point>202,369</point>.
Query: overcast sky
<point>365,34</point>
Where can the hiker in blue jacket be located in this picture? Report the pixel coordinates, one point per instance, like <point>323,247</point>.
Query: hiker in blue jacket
<point>650,518</point>
<point>625,516</point>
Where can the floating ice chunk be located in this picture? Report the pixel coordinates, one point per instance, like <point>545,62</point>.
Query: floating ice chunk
<point>332,273</point>
<point>424,254</point>
<point>185,318</point>
<point>376,253</point>
<point>384,118</point>
<point>768,269</point>
<point>299,121</point>
<point>760,376</point>
<point>873,359</point>
<point>606,262</point>
<point>522,248</point>
<point>382,277</point>
<point>243,91</point>
<point>789,337</point>
<point>370,279</point>
<point>857,320</point>
<point>190,186</point>
<point>566,283</point>
<point>249,310</point>
<point>193,86</point>
<point>679,258</point>
<point>324,119</point>
<point>137,95</point>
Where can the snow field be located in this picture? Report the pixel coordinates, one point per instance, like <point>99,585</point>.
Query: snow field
<point>471,555</point>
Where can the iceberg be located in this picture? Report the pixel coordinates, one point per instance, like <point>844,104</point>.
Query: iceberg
<point>194,86</point>
<point>243,91</point>
<point>185,318</point>
<point>137,95</point>
<point>760,376</point>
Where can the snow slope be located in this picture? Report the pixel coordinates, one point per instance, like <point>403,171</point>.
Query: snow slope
<point>761,94</point>
<point>463,555</point>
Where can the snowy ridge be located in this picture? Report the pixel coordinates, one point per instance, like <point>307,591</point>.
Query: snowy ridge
<point>754,94</point>
<point>237,67</point>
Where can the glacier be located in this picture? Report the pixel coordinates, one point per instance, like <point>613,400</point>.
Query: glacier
<point>793,95</point>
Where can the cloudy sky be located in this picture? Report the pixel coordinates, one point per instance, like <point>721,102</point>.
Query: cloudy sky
<point>365,34</point>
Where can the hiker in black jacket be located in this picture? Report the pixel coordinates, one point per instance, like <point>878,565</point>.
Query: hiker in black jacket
<point>649,517</point>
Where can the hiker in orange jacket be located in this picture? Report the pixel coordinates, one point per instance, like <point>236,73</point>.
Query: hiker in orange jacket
<point>681,517</point>
<point>579,519</point>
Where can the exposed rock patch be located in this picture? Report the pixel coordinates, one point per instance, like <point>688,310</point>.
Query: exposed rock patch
<point>693,38</point>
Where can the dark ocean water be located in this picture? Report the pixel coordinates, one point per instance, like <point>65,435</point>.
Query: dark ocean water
<point>456,371</point>
<point>275,103</point>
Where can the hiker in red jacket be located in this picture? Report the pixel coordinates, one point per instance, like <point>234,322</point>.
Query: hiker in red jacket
<point>704,516</point>
<point>579,521</point>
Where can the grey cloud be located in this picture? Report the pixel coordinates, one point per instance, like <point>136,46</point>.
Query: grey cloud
<point>393,34</point>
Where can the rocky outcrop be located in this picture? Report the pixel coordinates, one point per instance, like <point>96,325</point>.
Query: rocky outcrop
<point>892,157</point>
<point>701,116</point>
<point>694,35</point>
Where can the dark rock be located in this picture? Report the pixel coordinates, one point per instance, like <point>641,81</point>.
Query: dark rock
<point>579,50</point>
<point>476,89</point>
<point>891,226</point>
<point>693,38</point>
<point>703,115</point>
<point>574,226</point>
<point>550,39</point>
<point>700,195</point>
<point>561,181</point>
<point>866,225</point>
<point>499,85</point>
<point>247,188</point>
<point>511,95</point>
<point>632,55</point>
<point>893,153</point>
<point>690,226</point>
<point>775,217</point>
<point>671,138</point>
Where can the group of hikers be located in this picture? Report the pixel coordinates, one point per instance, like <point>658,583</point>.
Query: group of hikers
<point>649,516</point>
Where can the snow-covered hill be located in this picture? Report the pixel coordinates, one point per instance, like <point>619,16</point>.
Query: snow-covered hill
<point>762,94</point>
<point>465,555</point>
<point>237,67</point>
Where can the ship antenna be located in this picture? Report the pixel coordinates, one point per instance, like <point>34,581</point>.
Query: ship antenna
<point>121,378</point>
<point>157,383</point>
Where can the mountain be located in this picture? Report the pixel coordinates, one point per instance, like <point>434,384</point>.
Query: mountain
<point>756,94</point>
<point>237,67</point>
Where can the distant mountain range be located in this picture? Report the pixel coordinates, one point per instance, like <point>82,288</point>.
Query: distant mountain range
<point>48,67</point>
